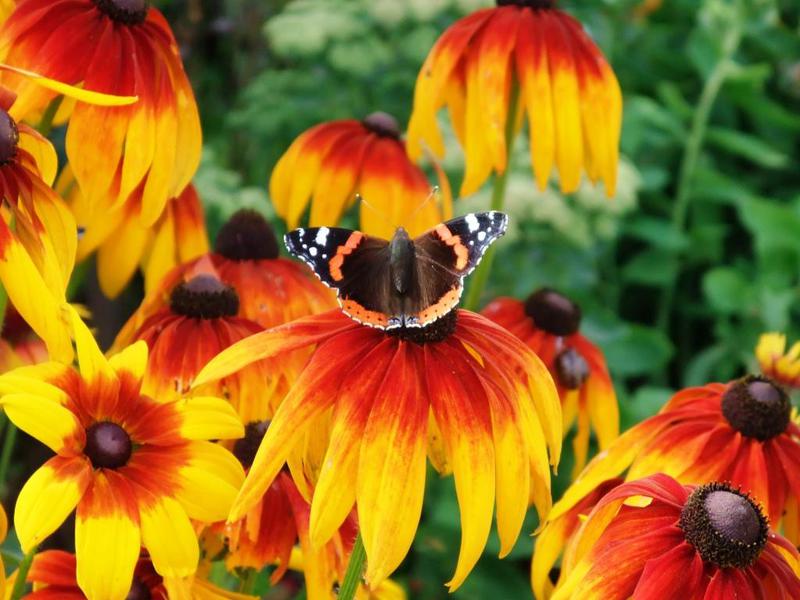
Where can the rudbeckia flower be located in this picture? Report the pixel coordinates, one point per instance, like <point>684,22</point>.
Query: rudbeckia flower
<point>267,534</point>
<point>548,323</point>
<point>124,244</point>
<point>272,290</point>
<point>655,538</point>
<point>119,47</point>
<point>198,324</point>
<point>776,362</point>
<point>136,468</point>
<point>19,346</point>
<point>558,536</point>
<point>463,387</point>
<point>739,432</point>
<point>53,575</point>
<point>524,53</point>
<point>331,163</point>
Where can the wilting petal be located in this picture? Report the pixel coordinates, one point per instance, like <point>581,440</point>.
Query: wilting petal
<point>48,497</point>
<point>391,471</point>
<point>107,538</point>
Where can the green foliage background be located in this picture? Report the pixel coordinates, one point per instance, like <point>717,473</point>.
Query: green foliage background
<point>712,126</point>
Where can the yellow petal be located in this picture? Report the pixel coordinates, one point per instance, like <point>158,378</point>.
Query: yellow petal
<point>209,418</point>
<point>169,537</point>
<point>48,497</point>
<point>132,359</point>
<point>93,364</point>
<point>48,421</point>
<point>210,482</point>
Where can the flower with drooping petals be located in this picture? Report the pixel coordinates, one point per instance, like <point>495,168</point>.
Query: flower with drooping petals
<point>558,536</point>
<point>739,432</point>
<point>775,362</point>
<point>53,575</point>
<point>121,47</point>
<point>548,323</point>
<point>488,398</point>
<point>136,469</point>
<point>530,50</point>
<point>124,245</point>
<point>272,290</point>
<point>654,538</point>
<point>333,162</point>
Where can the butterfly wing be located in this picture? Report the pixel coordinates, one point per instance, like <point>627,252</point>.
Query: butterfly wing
<point>352,263</point>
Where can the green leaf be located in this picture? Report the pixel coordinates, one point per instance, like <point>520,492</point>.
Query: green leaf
<point>640,351</point>
<point>748,147</point>
<point>653,267</point>
<point>726,289</point>
<point>774,225</point>
<point>658,232</point>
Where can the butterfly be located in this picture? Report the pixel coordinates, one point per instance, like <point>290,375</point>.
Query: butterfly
<point>402,282</point>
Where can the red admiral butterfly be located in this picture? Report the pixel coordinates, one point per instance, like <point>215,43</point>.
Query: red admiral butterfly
<point>401,282</point>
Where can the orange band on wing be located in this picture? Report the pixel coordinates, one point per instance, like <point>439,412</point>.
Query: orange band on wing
<point>335,265</point>
<point>368,317</point>
<point>445,304</point>
<point>454,241</point>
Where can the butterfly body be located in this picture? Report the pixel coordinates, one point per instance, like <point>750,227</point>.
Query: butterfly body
<point>402,282</point>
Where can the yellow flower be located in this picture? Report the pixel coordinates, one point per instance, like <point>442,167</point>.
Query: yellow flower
<point>136,469</point>
<point>776,362</point>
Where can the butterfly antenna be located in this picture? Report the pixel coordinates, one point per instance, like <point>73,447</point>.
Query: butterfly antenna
<point>380,213</point>
<point>435,193</point>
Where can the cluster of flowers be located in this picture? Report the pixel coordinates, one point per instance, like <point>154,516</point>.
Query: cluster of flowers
<point>243,418</point>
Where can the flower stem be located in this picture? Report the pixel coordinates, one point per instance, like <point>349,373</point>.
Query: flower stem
<point>45,126</point>
<point>355,569</point>
<point>22,574</point>
<point>9,441</point>
<point>691,155</point>
<point>248,583</point>
<point>481,275</point>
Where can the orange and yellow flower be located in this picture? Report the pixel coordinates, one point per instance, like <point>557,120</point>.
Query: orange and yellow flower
<point>119,47</point>
<point>272,290</point>
<point>463,389</point>
<point>53,575</point>
<point>654,538</point>
<point>558,536</point>
<point>19,346</point>
<point>739,432</point>
<point>525,53</point>
<point>775,362</point>
<point>124,244</point>
<point>332,163</point>
<point>548,323</point>
<point>198,324</point>
<point>137,469</point>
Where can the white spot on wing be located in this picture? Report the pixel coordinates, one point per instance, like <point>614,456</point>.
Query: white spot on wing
<point>472,222</point>
<point>322,236</point>
<point>481,236</point>
<point>312,251</point>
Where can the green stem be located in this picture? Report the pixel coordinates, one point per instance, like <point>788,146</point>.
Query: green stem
<point>248,584</point>
<point>46,124</point>
<point>691,155</point>
<point>481,275</point>
<point>355,569</point>
<point>22,574</point>
<point>9,441</point>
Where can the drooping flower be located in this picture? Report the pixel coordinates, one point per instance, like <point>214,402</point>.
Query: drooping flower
<point>548,323</point>
<point>484,398</point>
<point>330,164</point>
<point>654,538</point>
<point>775,362</point>
<point>272,290</point>
<point>124,244</point>
<point>739,432</point>
<point>137,469</point>
<point>558,537</point>
<point>530,50</point>
<point>53,575</point>
<point>267,534</point>
<point>121,47</point>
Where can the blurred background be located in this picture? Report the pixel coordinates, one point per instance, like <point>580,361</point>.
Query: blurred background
<point>677,275</point>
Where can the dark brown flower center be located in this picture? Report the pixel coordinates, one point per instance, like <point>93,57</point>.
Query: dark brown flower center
<point>129,12</point>
<point>9,138</point>
<point>726,526</point>
<point>756,407</point>
<point>439,330</point>
<point>553,312</point>
<point>108,445</point>
<point>204,297</point>
<point>571,369</point>
<point>382,124</point>
<point>245,448</point>
<point>138,591</point>
<point>528,3</point>
<point>246,236</point>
